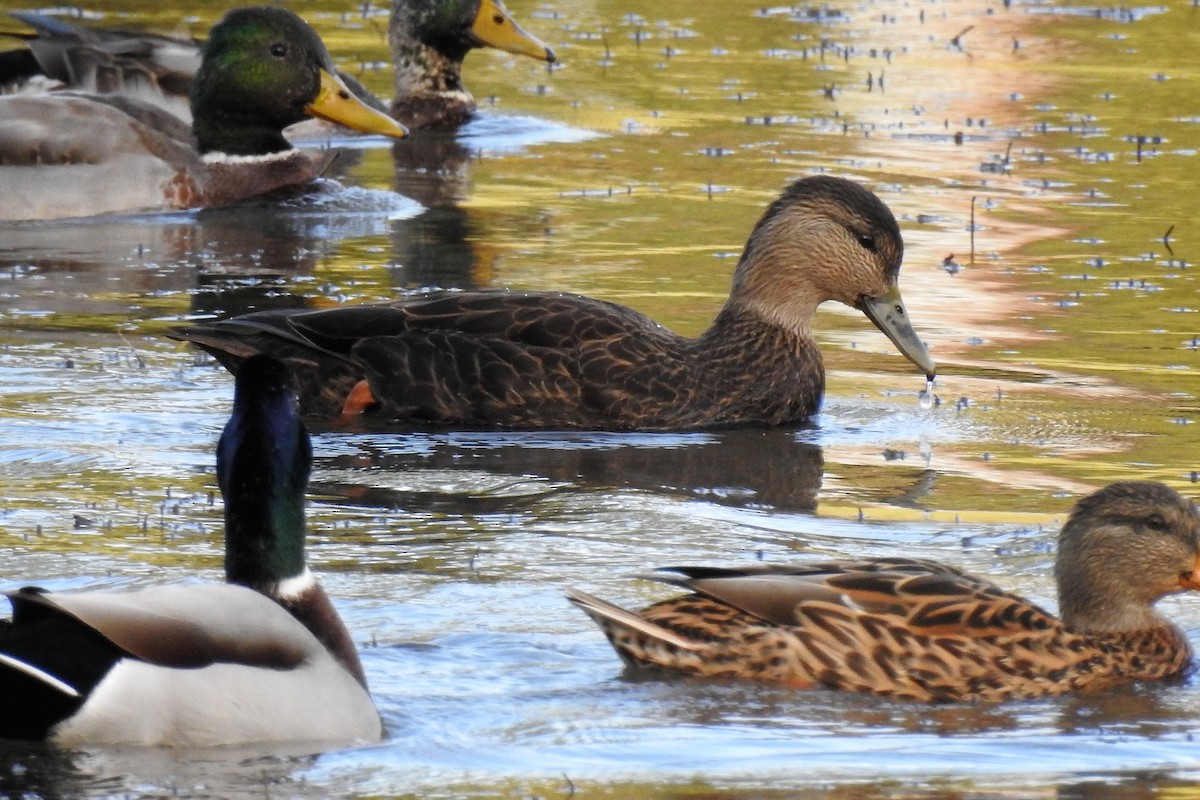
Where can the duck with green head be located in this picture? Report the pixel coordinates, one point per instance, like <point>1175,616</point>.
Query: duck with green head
<point>429,39</point>
<point>67,154</point>
<point>263,658</point>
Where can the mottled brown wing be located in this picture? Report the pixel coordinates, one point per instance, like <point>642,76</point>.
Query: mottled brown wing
<point>540,319</point>
<point>924,597</point>
<point>536,359</point>
<point>324,376</point>
<point>444,376</point>
<point>529,358</point>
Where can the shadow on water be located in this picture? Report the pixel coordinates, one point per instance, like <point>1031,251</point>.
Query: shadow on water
<point>433,248</point>
<point>217,261</point>
<point>743,468</point>
<point>29,770</point>
<point>437,248</point>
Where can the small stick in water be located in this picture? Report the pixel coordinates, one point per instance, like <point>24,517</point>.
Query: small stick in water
<point>972,229</point>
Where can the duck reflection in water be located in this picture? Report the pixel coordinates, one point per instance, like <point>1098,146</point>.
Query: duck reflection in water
<point>434,247</point>
<point>743,468</point>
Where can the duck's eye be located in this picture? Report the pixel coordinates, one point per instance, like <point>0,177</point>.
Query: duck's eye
<point>866,240</point>
<point>279,49</point>
<point>1156,522</point>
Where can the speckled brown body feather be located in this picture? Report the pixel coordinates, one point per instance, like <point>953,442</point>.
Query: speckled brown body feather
<point>919,630</point>
<point>543,359</point>
<point>529,359</point>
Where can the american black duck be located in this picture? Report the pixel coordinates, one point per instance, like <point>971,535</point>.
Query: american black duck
<point>551,360</point>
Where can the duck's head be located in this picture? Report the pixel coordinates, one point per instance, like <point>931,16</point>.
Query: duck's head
<point>1124,548</point>
<point>263,69</point>
<point>828,238</point>
<point>263,462</point>
<point>429,40</point>
<point>453,28</point>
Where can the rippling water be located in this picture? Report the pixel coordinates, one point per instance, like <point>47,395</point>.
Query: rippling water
<point>634,172</point>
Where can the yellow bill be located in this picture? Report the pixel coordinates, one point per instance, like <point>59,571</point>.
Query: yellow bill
<point>337,103</point>
<point>493,27</point>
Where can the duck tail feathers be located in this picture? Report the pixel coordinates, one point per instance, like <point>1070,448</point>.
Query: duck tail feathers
<point>612,618</point>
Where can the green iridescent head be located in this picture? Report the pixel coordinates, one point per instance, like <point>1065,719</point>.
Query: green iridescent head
<point>263,69</point>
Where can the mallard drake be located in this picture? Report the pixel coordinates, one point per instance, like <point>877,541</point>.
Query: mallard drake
<point>64,154</point>
<point>545,359</point>
<point>428,39</point>
<point>264,658</point>
<point>919,630</point>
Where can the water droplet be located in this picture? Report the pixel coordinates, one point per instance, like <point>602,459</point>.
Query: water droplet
<point>927,397</point>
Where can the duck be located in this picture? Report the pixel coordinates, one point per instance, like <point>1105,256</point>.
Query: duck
<point>428,41</point>
<point>542,359</point>
<point>919,630</point>
<point>263,658</point>
<point>73,154</point>
<point>58,54</point>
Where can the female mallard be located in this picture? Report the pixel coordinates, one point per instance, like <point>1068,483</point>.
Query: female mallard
<point>919,630</point>
<point>543,359</point>
<point>428,38</point>
<point>264,658</point>
<point>64,154</point>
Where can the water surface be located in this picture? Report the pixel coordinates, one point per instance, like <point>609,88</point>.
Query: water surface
<point>1065,330</point>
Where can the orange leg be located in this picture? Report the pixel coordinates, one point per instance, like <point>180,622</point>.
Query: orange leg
<point>358,401</point>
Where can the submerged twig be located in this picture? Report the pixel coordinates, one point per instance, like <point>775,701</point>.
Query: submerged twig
<point>137,357</point>
<point>972,261</point>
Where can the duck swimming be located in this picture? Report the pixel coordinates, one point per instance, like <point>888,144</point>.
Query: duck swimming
<point>551,360</point>
<point>264,658</point>
<point>428,39</point>
<point>68,154</point>
<point>919,630</point>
